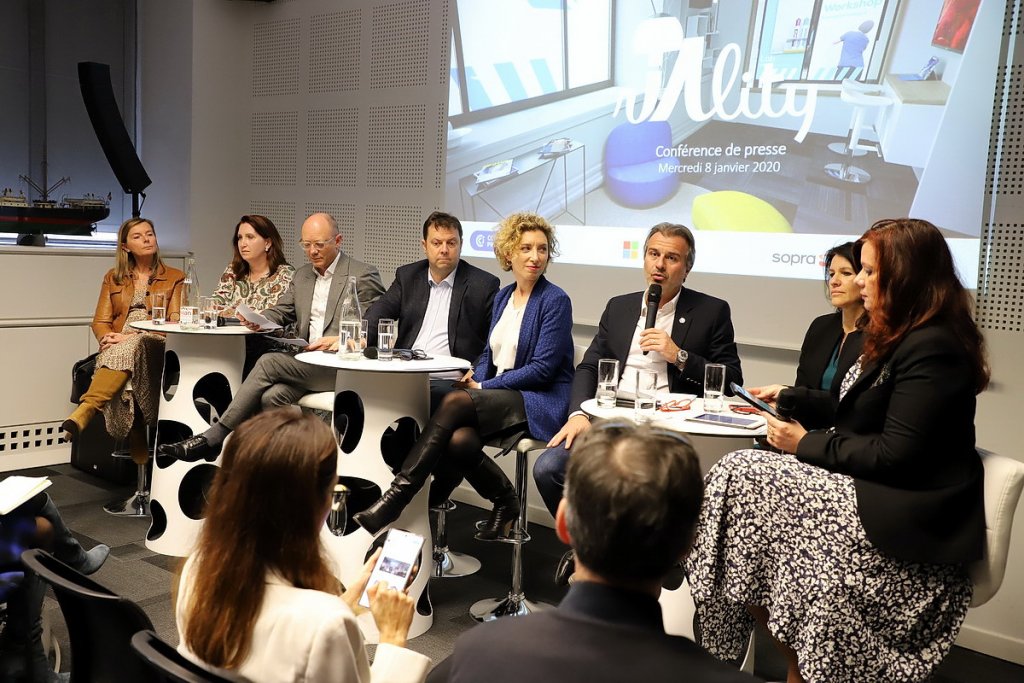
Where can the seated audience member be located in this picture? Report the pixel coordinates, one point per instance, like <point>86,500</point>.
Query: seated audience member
<point>126,354</point>
<point>257,276</point>
<point>520,386</point>
<point>313,304</point>
<point>257,596</point>
<point>631,502</point>
<point>832,344</point>
<point>36,523</point>
<point>852,546</point>
<point>690,330</point>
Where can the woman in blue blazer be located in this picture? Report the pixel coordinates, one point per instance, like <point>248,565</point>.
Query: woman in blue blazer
<point>520,385</point>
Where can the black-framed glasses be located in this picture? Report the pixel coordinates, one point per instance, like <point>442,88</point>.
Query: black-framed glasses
<point>412,354</point>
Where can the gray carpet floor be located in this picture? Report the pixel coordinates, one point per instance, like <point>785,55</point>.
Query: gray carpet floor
<point>146,578</point>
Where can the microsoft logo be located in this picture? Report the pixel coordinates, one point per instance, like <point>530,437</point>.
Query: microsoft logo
<point>630,250</point>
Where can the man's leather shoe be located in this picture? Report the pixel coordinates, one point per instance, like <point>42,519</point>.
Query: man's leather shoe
<point>192,449</point>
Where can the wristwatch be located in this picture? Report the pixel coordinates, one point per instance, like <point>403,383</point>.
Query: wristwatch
<point>681,357</point>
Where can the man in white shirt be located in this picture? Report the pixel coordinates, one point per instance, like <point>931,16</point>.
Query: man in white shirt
<point>313,304</point>
<point>691,329</point>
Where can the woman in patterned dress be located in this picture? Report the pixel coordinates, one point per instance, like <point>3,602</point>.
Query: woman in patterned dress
<point>257,276</point>
<point>129,364</point>
<point>258,273</point>
<point>852,547</point>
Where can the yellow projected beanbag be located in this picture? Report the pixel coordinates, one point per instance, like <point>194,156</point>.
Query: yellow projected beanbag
<point>729,210</point>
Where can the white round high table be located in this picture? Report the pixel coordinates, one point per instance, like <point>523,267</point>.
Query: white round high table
<point>711,442</point>
<point>209,367</point>
<point>371,395</point>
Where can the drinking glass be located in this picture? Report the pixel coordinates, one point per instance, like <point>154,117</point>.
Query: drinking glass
<point>158,307</point>
<point>208,313</point>
<point>646,389</point>
<point>387,332</point>
<point>714,385</point>
<point>337,517</point>
<point>363,331</point>
<point>607,382</point>
<point>348,340</point>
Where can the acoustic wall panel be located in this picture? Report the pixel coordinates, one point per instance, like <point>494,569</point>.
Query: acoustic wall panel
<point>401,44</point>
<point>273,149</point>
<point>275,58</point>
<point>286,220</point>
<point>392,235</point>
<point>334,50</point>
<point>332,147</point>
<point>396,146</point>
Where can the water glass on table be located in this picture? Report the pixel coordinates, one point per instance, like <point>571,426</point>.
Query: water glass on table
<point>646,391</point>
<point>714,385</point>
<point>607,382</point>
<point>387,332</point>
<point>158,308</point>
<point>208,313</point>
<point>349,334</point>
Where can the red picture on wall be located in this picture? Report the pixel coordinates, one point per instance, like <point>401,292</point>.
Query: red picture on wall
<point>955,22</point>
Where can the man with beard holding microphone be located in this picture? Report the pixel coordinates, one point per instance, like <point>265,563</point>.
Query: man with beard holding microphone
<point>675,338</point>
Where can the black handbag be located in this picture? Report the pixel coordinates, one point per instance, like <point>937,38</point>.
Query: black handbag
<point>81,376</point>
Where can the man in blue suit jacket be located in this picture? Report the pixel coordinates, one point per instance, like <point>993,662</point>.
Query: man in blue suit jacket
<point>629,513</point>
<point>691,330</point>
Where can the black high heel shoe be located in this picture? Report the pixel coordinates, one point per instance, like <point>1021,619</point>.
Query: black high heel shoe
<point>502,521</point>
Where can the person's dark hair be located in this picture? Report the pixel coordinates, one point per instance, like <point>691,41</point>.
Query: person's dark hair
<point>849,251</point>
<point>918,283</point>
<point>676,230</point>
<point>266,229</point>
<point>442,220</point>
<point>264,514</point>
<point>633,497</point>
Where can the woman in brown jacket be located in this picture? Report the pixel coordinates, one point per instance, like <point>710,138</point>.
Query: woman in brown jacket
<point>129,364</point>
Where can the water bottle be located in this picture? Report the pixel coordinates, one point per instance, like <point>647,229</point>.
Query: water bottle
<point>190,296</point>
<point>350,342</point>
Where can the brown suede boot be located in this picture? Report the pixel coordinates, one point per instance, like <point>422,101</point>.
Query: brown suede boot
<point>104,386</point>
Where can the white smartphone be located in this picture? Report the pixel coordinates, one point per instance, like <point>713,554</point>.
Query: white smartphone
<point>400,554</point>
<point>724,420</point>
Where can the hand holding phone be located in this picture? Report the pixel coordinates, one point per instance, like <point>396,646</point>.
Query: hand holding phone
<point>395,564</point>
<point>752,400</point>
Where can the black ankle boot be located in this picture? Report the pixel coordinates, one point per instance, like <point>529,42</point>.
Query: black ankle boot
<point>417,467</point>
<point>491,483</point>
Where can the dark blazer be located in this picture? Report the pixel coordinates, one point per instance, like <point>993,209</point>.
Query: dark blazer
<point>905,432</point>
<point>816,406</point>
<point>706,334</point>
<point>543,370</point>
<point>469,315</point>
<point>597,634</point>
<point>296,304</point>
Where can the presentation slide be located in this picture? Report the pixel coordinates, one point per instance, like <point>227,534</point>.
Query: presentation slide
<point>775,129</point>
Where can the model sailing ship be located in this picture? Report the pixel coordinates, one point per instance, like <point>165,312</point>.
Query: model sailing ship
<point>33,219</point>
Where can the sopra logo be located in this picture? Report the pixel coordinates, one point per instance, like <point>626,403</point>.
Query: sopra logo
<point>798,259</point>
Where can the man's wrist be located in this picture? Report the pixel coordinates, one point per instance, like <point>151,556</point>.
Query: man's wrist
<point>579,413</point>
<point>681,357</point>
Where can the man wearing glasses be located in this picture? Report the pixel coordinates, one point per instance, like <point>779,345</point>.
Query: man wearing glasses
<point>313,304</point>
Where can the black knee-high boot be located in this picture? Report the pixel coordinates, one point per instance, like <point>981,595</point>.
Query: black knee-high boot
<point>414,473</point>
<point>491,483</point>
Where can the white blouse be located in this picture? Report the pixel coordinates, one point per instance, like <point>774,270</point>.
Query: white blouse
<point>505,337</point>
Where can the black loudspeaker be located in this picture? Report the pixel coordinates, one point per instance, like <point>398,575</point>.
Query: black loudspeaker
<point>98,95</point>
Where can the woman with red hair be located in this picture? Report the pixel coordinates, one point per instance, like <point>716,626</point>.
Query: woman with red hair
<point>852,546</point>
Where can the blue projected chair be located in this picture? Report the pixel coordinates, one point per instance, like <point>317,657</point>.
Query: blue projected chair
<point>632,176</point>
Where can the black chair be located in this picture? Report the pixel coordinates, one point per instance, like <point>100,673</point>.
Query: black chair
<point>170,666</point>
<point>100,623</point>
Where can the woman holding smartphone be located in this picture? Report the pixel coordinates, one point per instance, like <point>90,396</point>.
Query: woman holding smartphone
<point>520,385</point>
<point>258,596</point>
<point>852,545</point>
<point>831,345</point>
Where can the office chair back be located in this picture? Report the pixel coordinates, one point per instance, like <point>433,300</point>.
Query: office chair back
<point>170,666</point>
<point>100,623</point>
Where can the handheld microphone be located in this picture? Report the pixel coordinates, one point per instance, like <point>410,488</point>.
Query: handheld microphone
<point>785,404</point>
<point>653,299</point>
